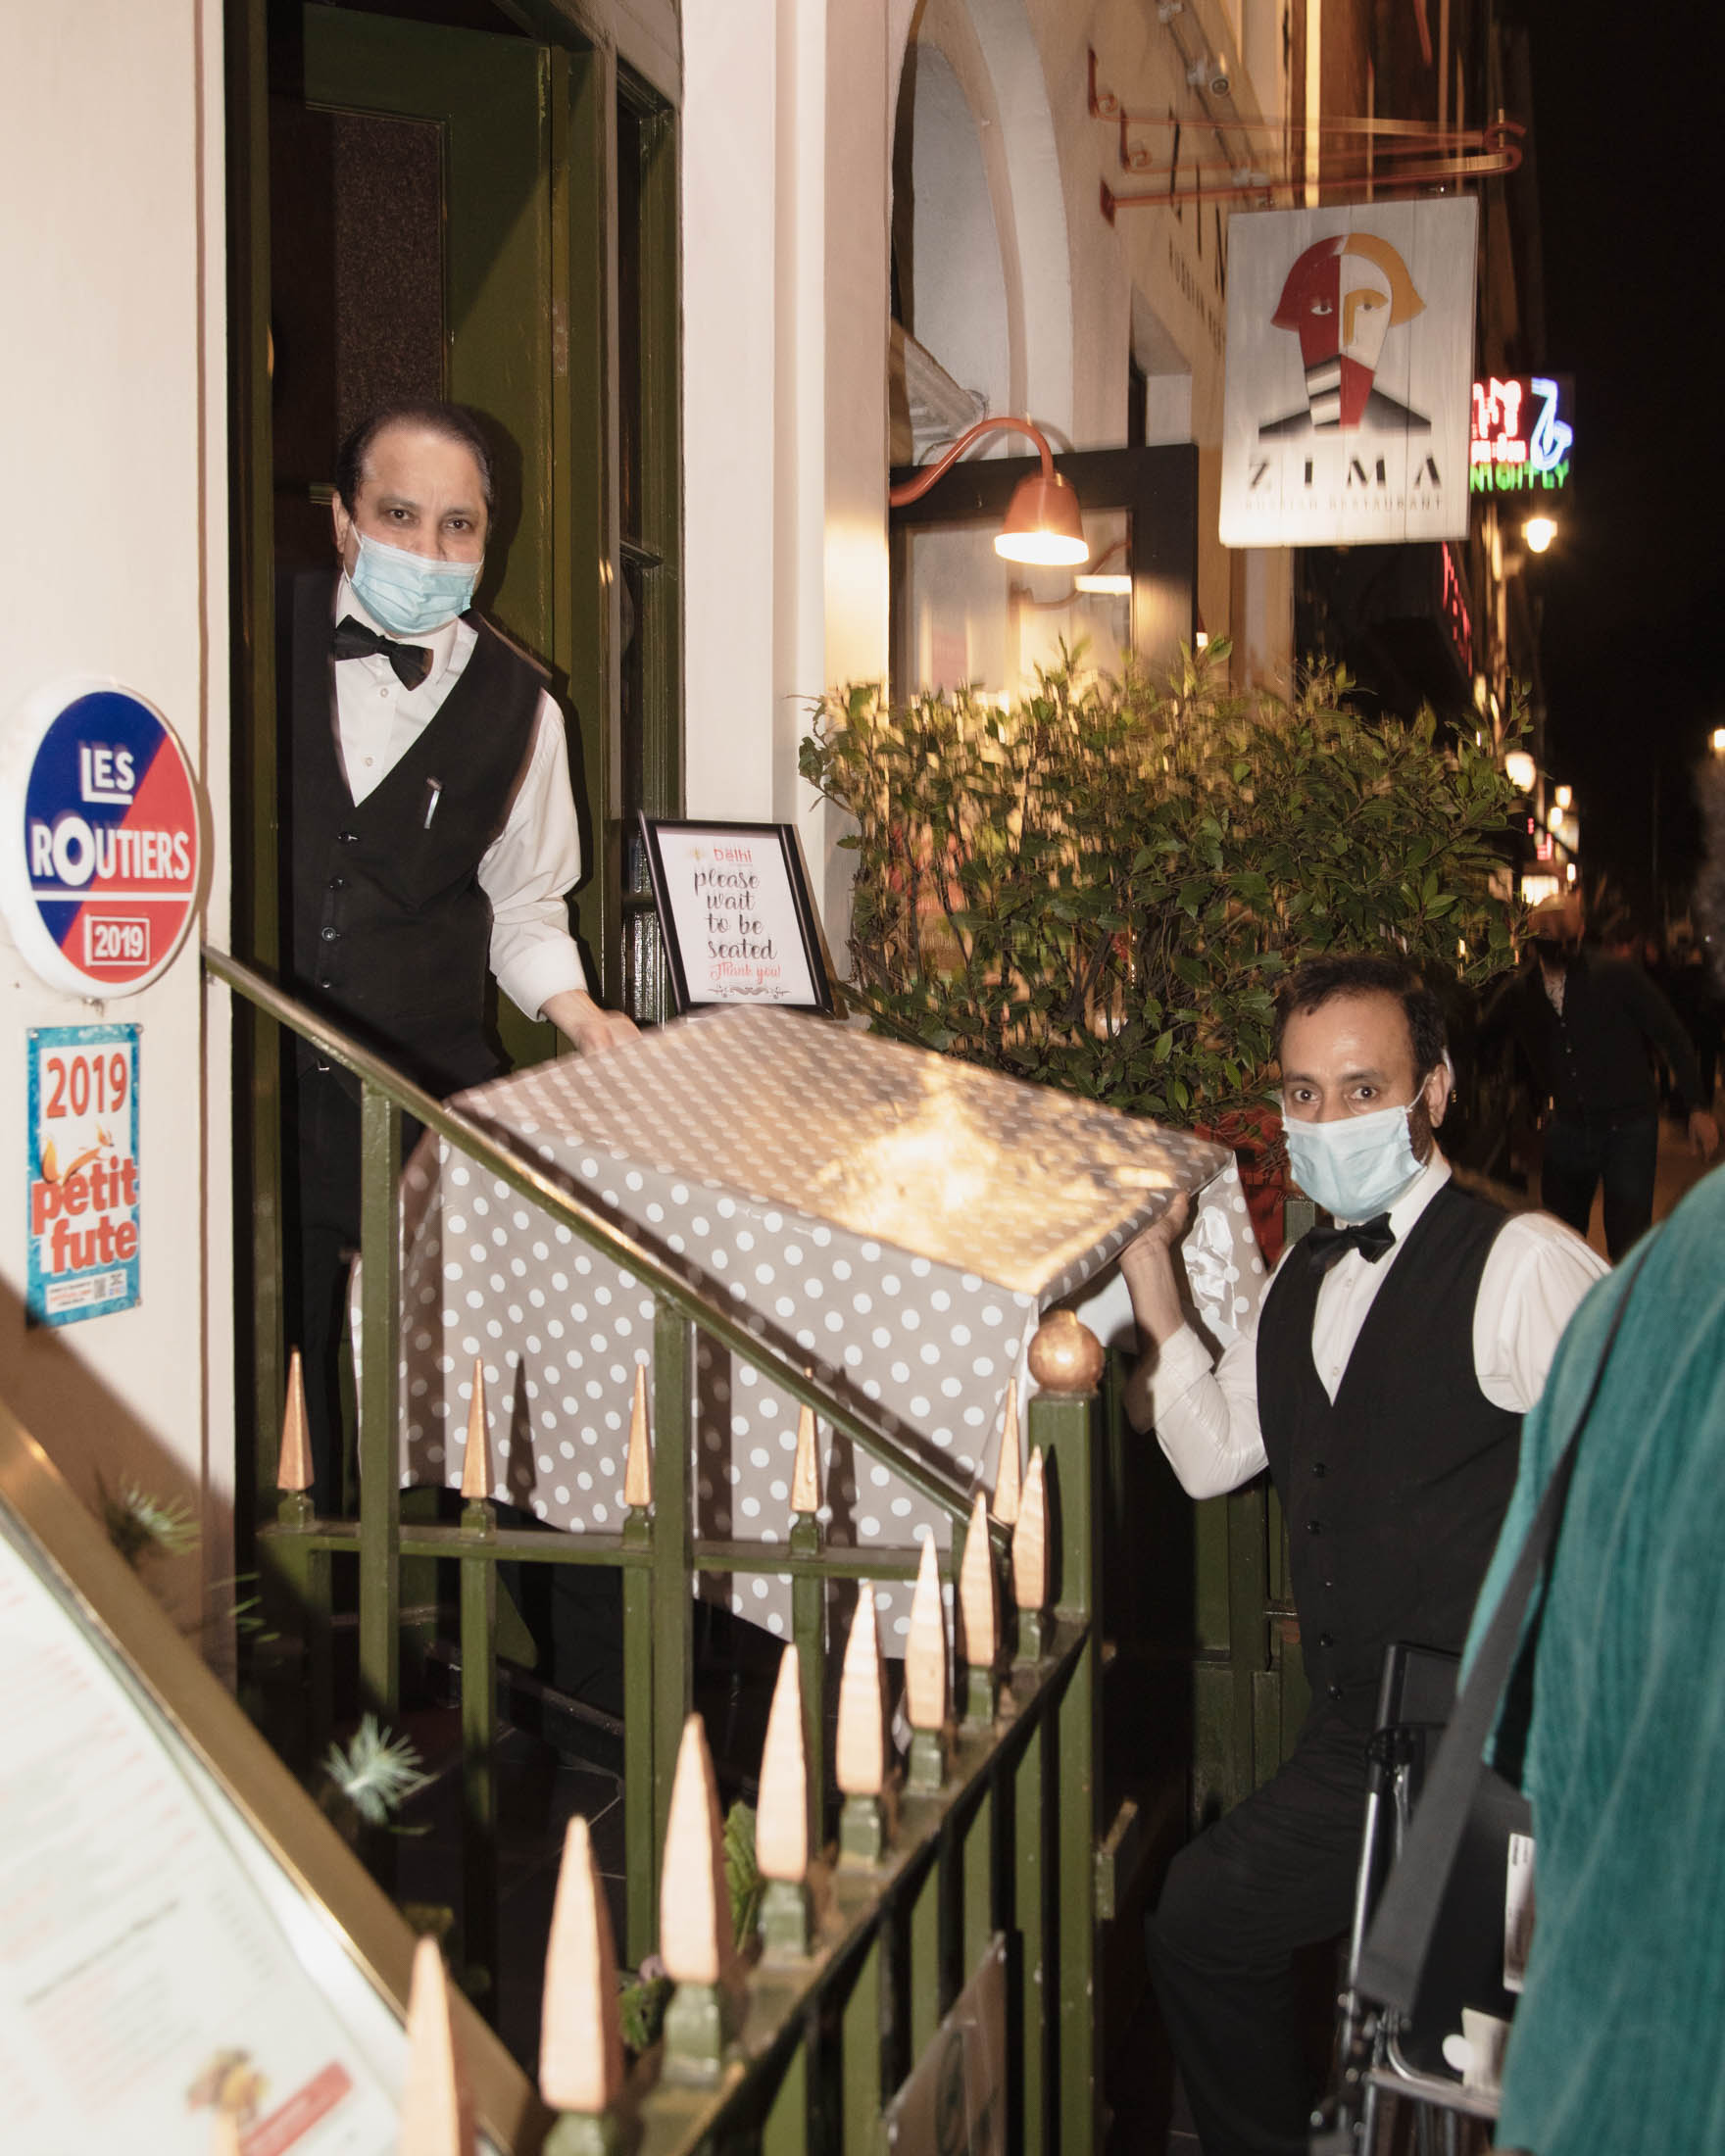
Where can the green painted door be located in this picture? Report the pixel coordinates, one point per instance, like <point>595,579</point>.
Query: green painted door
<point>412,254</point>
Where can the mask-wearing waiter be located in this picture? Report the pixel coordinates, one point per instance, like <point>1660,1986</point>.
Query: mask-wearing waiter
<point>433,835</point>
<point>1383,1383</point>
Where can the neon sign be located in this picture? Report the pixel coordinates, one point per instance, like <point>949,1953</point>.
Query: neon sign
<point>1523,434</point>
<point>1457,617</point>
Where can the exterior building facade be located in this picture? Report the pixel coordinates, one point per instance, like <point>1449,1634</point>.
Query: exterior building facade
<point>761,252</point>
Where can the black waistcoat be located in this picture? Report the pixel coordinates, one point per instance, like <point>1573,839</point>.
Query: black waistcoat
<point>1394,1493</point>
<point>391,933</point>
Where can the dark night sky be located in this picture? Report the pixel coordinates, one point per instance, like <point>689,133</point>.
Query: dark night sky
<point>1628,121</point>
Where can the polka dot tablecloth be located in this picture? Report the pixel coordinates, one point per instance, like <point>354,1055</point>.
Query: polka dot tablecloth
<point>894,1219</point>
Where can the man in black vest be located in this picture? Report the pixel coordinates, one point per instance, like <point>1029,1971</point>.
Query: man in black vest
<point>432,832</point>
<point>1383,1383</point>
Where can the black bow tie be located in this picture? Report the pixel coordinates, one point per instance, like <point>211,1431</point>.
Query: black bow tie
<point>353,640</point>
<point>1370,1238</point>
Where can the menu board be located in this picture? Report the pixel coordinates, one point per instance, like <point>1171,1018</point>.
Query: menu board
<point>157,1963</point>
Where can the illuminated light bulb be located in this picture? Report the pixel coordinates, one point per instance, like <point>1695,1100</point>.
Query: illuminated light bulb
<point>1043,524</point>
<point>1520,770</point>
<point>1566,794</point>
<point>1539,533</point>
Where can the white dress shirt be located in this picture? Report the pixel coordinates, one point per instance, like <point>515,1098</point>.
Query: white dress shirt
<point>1535,1274</point>
<point>535,859</point>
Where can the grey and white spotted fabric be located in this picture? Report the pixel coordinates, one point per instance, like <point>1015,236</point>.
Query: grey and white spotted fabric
<point>892,1218</point>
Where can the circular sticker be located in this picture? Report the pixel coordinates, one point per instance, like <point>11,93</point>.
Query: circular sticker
<point>99,838</point>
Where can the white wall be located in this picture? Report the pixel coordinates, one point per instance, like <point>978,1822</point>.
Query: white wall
<point>788,116</point>
<point>786,113</point>
<point>114,562</point>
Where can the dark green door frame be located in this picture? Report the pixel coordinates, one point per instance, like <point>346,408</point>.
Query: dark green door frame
<point>582,86</point>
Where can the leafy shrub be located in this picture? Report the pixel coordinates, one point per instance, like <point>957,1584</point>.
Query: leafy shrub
<point>1100,886</point>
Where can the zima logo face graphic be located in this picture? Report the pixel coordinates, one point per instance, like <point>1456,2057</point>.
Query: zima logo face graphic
<point>1342,299</point>
<point>1345,405</point>
<point>109,870</point>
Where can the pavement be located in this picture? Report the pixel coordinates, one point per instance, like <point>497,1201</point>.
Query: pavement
<point>1680,1169</point>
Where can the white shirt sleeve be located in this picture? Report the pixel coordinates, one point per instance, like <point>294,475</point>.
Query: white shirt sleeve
<point>1536,1274</point>
<point>528,869</point>
<point>1206,1420</point>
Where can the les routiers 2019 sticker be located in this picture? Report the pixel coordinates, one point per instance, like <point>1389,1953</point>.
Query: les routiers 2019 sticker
<point>99,837</point>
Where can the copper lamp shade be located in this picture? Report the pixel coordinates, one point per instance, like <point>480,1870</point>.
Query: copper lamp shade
<point>1044,523</point>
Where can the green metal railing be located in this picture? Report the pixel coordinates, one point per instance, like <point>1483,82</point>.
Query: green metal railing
<point>1010,1844</point>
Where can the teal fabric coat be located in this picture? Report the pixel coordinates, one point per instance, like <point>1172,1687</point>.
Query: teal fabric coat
<point>1620,2041</point>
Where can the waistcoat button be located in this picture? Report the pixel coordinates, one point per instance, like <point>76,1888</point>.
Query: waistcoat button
<point>330,935</point>
<point>1313,1527</point>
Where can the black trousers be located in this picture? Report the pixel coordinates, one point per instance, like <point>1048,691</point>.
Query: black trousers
<point>320,1173</point>
<point>1622,1153</point>
<point>1272,1875</point>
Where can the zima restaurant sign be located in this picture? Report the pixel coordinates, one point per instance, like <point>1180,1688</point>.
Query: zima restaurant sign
<point>1350,375</point>
<point>99,838</point>
<point>1523,429</point>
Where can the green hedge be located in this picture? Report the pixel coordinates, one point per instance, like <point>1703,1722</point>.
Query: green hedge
<point>1098,887</point>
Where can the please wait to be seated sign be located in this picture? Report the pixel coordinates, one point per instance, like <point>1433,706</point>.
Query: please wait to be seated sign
<point>735,914</point>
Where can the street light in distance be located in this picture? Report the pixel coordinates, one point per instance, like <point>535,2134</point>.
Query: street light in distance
<point>1539,533</point>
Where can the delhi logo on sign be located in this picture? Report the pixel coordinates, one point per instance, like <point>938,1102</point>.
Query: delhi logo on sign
<point>99,838</point>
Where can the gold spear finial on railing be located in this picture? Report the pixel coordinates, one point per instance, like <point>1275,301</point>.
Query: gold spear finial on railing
<point>1008,1482</point>
<point>294,1462</point>
<point>781,1818</point>
<point>926,1677</point>
<point>979,1619</point>
<point>639,1465</point>
<point>1030,1563</point>
<point>806,1468</point>
<point>860,1748</point>
<point>580,2029</point>
<point>477,1454</point>
<point>436,2102</point>
<point>695,1940</point>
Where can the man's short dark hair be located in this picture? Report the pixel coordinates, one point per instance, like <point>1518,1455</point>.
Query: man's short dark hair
<point>453,422</point>
<point>1320,981</point>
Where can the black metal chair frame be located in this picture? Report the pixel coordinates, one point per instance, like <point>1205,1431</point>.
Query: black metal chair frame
<point>1383,2052</point>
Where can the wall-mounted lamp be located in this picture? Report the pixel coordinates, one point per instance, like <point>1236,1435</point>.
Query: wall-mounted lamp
<point>1043,524</point>
<point>1539,533</point>
<point>1520,770</point>
<point>1565,797</point>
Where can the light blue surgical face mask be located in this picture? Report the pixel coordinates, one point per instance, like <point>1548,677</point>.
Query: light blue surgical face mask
<point>1356,1166</point>
<point>409,594</point>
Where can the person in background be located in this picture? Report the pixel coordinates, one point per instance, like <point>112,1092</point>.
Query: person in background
<point>1383,1381</point>
<point>1613,2046</point>
<point>1585,1023</point>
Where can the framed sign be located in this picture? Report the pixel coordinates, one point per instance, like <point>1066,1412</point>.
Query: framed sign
<point>735,914</point>
<point>184,1933</point>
